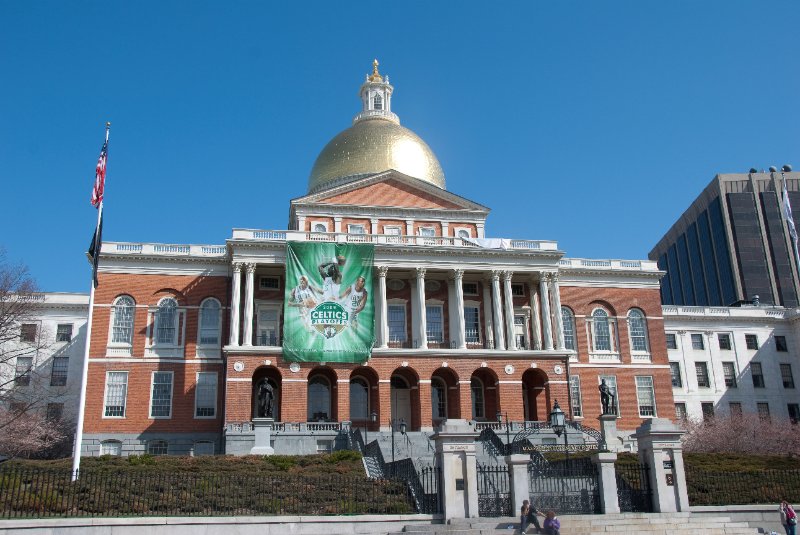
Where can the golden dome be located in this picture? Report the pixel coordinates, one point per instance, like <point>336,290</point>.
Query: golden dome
<point>370,146</point>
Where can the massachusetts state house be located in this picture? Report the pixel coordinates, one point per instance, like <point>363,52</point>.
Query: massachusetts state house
<point>465,325</point>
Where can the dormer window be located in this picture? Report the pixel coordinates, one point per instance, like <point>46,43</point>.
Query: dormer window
<point>377,102</point>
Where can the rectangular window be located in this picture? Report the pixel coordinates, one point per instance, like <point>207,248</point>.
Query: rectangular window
<point>22,371</point>
<point>269,283</point>
<point>393,231</point>
<point>729,371</point>
<point>205,397</point>
<point>672,341</point>
<point>701,369</point>
<point>680,411</point>
<point>786,376</point>
<point>794,412</point>
<point>724,341</point>
<point>675,372</point>
<point>54,412</point>
<point>27,332</point>
<point>735,408</point>
<point>397,323</point>
<point>356,229</point>
<point>324,446</point>
<point>268,326</point>
<point>751,340</point>
<point>64,332</point>
<point>161,395</point>
<point>645,395</point>
<point>470,288</point>
<point>708,410</point>
<point>763,410</point>
<point>427,231</point>
<point>575,394</point>
<point>611,382</point>
<point>472,325</point>
<point>518,290</point>
<point>758,375</point>
<point>697,341</point>
<point>433,323</point>
<point>116,394</point>
<point>780,344</point>
<point>519,331</point>
<point>58,376</point>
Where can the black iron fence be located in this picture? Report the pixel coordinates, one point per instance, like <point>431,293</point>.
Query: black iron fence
<point>38,493</point>
<point>633,487</point>
<point>740,488</point>
<point>494,490</point>
<point>568,487</point>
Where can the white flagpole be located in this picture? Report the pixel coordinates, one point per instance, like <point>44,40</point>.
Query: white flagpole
<point>76,448</point>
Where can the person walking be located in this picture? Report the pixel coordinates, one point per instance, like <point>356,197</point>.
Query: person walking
<point>788,518</point>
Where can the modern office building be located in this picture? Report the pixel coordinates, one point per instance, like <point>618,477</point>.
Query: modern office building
<point>732,244</point>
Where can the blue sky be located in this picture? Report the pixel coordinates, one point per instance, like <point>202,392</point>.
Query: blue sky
<point>591,123</point>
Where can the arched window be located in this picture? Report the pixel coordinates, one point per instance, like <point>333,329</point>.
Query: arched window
<point>463,233</point>
<point>167,321</point>
<point>478,405</point>
<point>569,328</point>
<point>377,102</point>
<point>122,326</point>
<point>319,399</point>
<point>209,322</point>
<point>637,327</point>
<point>111,447</point>
<point>359,399</point>
<point>438,399</point>
<point>601,332</point>
<point>320,227</point>
<point>157,447</point>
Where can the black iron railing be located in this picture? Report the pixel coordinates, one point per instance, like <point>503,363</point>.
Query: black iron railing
<point>739,488</point>
<point>633,487</point>
<point>494,490</point>
<point>39,493</point>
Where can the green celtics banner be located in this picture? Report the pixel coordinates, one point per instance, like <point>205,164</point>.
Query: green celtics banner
<point>328,315</point>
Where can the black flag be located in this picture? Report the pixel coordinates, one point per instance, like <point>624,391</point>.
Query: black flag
<point>94,248</point>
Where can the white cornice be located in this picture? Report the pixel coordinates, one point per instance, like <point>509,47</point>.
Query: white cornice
<point>389,212</point>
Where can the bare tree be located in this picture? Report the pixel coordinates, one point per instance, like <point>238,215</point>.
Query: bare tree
<point>746,433</point>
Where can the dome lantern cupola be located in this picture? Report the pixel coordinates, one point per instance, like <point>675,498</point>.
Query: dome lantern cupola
<point>376,97</point>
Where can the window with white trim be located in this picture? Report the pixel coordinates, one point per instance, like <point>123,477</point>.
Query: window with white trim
<point>724,340</point>
<point>611,383</point>
<point>672,341</point>
<point>603,332</point>
<point>675,373</point>
<point>166,322</point>
<point>434,323</point>
<point>157,447</point>
<point>427,231</point>
<point>356,229</point>
<point>116,394</point>
<point>397,323</point>
<point>470,288</point>
<point>64,332</point>
<point>472,325</point>
<point>27,332</point>
<point>377,102</point>
<point>568,320</point>
<point>697,341</point>
<point>518,290</point>
<point>701,370</point>
<point>268,325</point>
<point>394,233</point>
<point>210,322</point>
<point>729,372</point>
<point>463,233</point>
<point>269,283</point>
<point>575,395</point>
<point>22,371</point>
<point>161,395</point>
<point>478,406</point>
<point>637,330</point>
<point>122,321</point>
<point>680,411</point>
<point>758,375</point>
<point>58,374</point>
<point>359,399</point>
<point>786,376</point>
<point>646,396</point>
<point>205,396</point>
<point>438,399</point>
<point>317,226</point>
<point>763,411</point>
<point>111,447</point>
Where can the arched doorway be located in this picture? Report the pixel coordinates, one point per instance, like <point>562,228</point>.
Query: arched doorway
<point>321,399</point>
<point>535,395</point>
<point>483,389</point>
<point>364,398</point>
<point>445,398</point>
<point>271,375</point>
<point>404,385</point>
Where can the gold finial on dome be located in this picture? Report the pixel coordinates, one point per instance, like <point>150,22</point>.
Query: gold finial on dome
<point>376,76</point>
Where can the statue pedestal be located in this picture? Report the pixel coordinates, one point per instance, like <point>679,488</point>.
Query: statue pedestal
<point>262,428</point>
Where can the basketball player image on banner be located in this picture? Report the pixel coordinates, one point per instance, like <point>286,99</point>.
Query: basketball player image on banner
<point>328,315</point>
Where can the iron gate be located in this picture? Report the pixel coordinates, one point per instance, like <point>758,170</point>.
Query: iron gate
<point>494,490</point>
<point>633,488</point>
<point>566,487</point>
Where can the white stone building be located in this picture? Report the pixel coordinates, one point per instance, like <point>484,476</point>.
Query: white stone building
<point>728,360</point>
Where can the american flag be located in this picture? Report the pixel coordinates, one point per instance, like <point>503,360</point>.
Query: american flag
<point>100,176</point>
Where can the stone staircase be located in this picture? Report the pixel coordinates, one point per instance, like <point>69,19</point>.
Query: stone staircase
<point>627,523</point>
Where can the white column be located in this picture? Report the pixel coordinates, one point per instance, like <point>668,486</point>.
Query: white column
<point>479,228</point>
<point>301,223</point>
<point>557,312</point>
<point>248,305</point>
<point>236,292</point>
<point>445,228</point>
<point>422,327</point>
<point>544,292</point>
<point>409,227</point>
<point>383,315</point>
<point>509,302</point>
<point>528,330</point>
<point>499,335</point>
<point>458,313</point>
<point>337,224</point>
<point>373,223</point>
<point>488,332</point>
<point>537,323</point>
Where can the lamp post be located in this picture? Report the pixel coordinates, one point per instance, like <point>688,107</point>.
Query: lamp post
<point>402,432</point>
<point>499,416</point>
<point>558,422</point>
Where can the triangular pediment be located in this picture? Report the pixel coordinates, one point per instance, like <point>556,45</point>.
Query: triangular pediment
<point>392,189</point>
